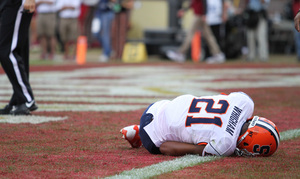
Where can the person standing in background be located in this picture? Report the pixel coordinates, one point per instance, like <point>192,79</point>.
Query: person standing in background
<point>217,16</point>
<point>257,30</point>
<point>199,23</point>
<point>34,43</point>
<point>86,16</point>
<point>15,18</point>
<point>296,8</point>
<point>121,25</point>
<point>104,17</point>
<point>297,20</point>
<point>46,27</point>
<point>69,11</point>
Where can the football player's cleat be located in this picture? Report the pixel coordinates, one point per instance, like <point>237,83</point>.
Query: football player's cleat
<point>261,138</point>
<point>131,134</point>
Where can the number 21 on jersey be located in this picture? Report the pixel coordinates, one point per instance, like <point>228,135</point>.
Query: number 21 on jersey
<point>194,109</point>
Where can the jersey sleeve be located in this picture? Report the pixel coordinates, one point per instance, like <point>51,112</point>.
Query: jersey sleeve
<point>223,147</point>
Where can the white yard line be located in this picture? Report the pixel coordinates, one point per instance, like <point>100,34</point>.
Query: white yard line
<point>29,119</point>
<point>182,162</point>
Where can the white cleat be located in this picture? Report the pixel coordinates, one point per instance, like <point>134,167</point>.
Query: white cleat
<point>131,134</point>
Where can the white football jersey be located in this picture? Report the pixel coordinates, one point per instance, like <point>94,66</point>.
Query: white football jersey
<point>212,120</point>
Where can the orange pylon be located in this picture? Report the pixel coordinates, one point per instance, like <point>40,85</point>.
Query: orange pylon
<point>196,47</point>
<point>81,50</point>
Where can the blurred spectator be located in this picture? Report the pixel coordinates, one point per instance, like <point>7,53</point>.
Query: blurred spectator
<point>34,44</point>
<point>257,29</point>
<point>217,16</point>
<point>120,27</point>
<point>46,26</point>
<point>200,9</point>
<point>297,21</point>
<point>235,37</point>
<point>101,27</point>
<point>69,11</point>
<point>296,8</point>
<point>87,14</point>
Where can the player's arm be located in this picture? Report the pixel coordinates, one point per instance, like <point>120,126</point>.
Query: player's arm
<point>180,148</point>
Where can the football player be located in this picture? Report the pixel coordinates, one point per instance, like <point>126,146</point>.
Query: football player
<point>220,125</point>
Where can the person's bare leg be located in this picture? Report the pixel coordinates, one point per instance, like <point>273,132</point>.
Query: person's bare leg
<point>43,40</point>
<point>52,47</point>
<point>66,54</point>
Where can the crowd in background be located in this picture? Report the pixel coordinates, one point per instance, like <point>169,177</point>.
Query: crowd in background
<point>295,7</point>
<point>60,22</point>
<point>106,23</point>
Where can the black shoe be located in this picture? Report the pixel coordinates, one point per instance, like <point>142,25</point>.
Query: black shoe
<point>6,109</point>
<point>20,110</point>
<point>31,106</point>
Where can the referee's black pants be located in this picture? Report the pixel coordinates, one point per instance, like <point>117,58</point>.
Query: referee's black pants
<point>14,50</point>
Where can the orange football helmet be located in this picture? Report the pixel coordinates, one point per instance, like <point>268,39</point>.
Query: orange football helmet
<point>261,138</point>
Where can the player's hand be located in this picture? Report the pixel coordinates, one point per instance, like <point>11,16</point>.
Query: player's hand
<point>297,22</point>
<point>29,6</point>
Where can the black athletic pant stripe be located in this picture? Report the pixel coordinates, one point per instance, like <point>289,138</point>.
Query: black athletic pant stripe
<point>14,50</point>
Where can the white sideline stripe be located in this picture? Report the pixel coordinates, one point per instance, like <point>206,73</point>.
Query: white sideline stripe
<point>183,162</point>
<point>90,107</point>
<point>29,119</point>
<point>290,134</point>
<point>165,167</point>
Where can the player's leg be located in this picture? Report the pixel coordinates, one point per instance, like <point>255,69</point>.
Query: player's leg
<point>146,141</point>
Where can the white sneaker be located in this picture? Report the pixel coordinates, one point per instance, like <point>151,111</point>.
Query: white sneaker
<point>219,58</point>
<point>131,134</point>
<point>103,58</point>
<point>175,56</point>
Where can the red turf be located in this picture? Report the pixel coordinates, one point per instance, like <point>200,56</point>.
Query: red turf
<point>88,144</point>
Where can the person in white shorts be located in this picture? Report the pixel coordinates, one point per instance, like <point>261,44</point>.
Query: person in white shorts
<point>220,125</point>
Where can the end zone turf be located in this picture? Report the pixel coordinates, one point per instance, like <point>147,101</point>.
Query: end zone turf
<point>83,109</point>
<point>183,162</point>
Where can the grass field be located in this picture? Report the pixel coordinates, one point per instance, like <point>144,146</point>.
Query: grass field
<point>75,132</point>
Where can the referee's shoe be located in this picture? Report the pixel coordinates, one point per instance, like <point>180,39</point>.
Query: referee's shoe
<point>22,109</point>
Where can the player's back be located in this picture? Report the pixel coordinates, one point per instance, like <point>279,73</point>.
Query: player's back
<point>192,119</point>
<point>200,119</point>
